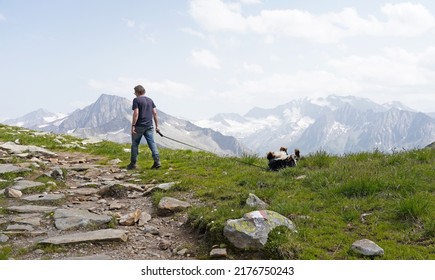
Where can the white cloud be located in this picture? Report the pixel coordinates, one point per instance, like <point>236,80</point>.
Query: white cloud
<point>124,86</point>
<point>193,32</point>
<point>403,19</point>
<point>205,58</point>
<point>2,17</point>
<point>393,69</point>
<point>253,68</point>
<point>250,2</point>
<point>216,15</point>
<point>130,23</point>
<point>280,88</point>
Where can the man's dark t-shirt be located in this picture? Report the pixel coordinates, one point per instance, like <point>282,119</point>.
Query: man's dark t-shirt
<point>145,106</point>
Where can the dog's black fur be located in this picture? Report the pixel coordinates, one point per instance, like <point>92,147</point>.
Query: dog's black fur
<point>279,160</point>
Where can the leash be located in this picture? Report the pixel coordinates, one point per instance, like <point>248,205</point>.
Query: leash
<point>175,140</point>
<point>180,142</point>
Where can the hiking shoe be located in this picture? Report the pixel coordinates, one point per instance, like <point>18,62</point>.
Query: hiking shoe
<point>156,165</point>
<point>131,166</point>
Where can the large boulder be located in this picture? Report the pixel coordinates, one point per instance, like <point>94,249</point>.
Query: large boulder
<point>252,230</point>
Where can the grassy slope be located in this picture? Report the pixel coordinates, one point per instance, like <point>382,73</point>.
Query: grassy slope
<point>397,191</point>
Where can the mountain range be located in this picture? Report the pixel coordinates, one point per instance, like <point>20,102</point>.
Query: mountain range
<point>109,118</point>
<point>335,124</point>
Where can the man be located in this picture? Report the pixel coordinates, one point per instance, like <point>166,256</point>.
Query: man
<point>144,112</point>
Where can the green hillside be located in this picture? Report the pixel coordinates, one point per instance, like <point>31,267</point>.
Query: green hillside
<point>333,200</point>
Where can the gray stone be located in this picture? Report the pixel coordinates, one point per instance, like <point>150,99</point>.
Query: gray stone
<point>114,161</point>
<point>14,148</point>
<point>218,253</point>
<point>251,231</point>
<point>91,257</point>
<point>367,247</point>
<point>65,219</point>
<point>19,228</point>
<point>29,219</point>
<point>164,244</point>
<point>163,187</point>
<point>168,205</point>
<point>12,193</point>
<point>31,209</point>
<point>254,201</point>
<point>10,168</point>
<point>152,230</point>
<point>56,174</point>
<point>3,238</point>
<point>144,218</point>
<point>44,197</point>
<point>90,236</point>
<point>24,184</point>
<point>116,205</point>
<point>83,191</point>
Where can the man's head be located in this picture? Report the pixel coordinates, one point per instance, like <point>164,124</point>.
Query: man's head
<point>139,90</point>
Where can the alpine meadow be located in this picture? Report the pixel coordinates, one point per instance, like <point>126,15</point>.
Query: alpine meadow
<point>332,201</point>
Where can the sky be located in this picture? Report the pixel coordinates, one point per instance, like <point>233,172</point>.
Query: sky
<point>198,58</point>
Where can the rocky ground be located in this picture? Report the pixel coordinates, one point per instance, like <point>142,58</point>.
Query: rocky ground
<point>100,212</point>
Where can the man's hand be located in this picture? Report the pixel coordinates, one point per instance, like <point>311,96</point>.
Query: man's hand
<point>133,130</point>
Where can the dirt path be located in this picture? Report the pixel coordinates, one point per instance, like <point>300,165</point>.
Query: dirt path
<point>90,187</point>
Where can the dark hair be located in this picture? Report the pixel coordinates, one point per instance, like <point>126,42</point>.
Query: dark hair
<point>139,89</point>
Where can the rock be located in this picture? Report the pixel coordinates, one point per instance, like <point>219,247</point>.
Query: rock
<point>24,185</point>
<point>144,218</point>
<point>169,205</point>
<point>163,187</point>
<point>152,230</point>
<point>44,197</point>
<point>29,219</point>
<point>31,209</point>
<point>130,219</point>
<point>164,244</point>
<point>217,253</point>
<point>116,205</point>
<point>83,191</point>
<point>3,238</point>
<point>251,231</point>
<point>57,174</point>
<point>367,247</point>
<point>12,193</point>
<point>90,236</point>
<point>115,161</point>
<point>19,228</point>
<point>65,219</point>
<point>13,148</point>
<point>10,168</point>
<point>91,257</point>
<point>254,201</point>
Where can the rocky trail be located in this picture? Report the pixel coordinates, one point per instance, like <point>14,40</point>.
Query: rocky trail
<point>100,212</point>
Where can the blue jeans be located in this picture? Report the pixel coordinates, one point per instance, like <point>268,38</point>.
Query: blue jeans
<point>148,133</point>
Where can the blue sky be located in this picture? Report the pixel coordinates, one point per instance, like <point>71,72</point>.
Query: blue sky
<point>201,57</point>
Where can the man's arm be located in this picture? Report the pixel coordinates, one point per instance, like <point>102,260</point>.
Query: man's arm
<point>134,120</point>
<point>156,122</point>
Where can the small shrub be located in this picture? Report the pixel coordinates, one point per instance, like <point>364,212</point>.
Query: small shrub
<point>281,245</point>
<point>319,159</point>
<point>412,208</point>
<point>5,253</point>
<point>361,187</point>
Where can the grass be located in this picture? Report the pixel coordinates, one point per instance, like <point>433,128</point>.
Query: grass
<point>333,200</point>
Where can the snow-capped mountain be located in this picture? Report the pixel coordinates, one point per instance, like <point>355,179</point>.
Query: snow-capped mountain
<point>36,119</point>
<point>109,118</point>
<point>335,124</point>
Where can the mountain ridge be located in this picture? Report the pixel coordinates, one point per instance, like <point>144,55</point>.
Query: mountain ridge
<point>109,118</point>
<point>337,124</point>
